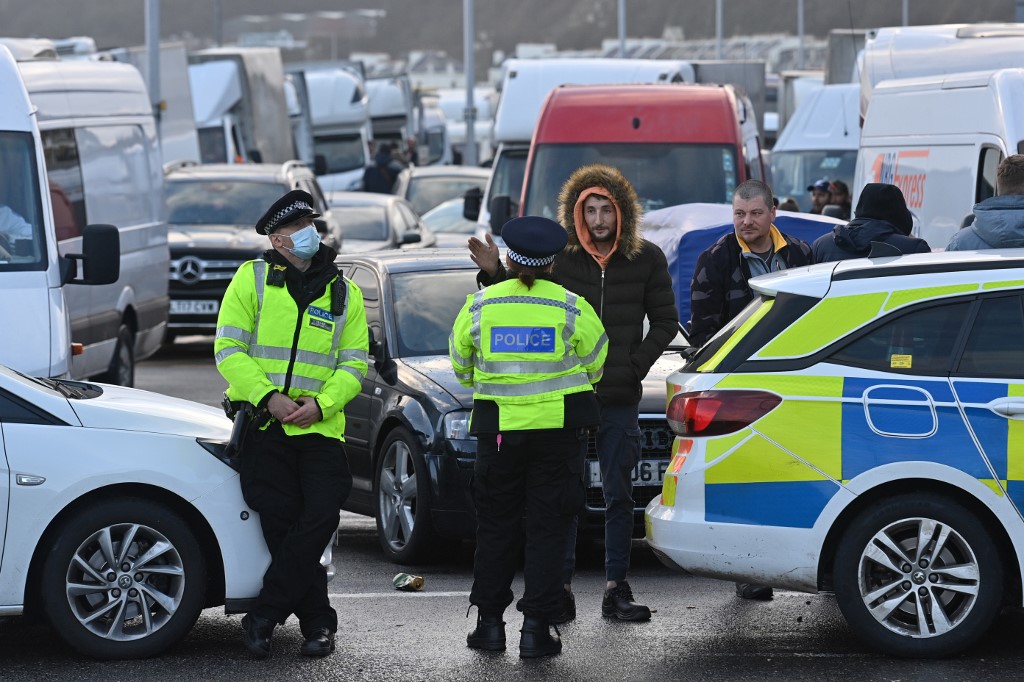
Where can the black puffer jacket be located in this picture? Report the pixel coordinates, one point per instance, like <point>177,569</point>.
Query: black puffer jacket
<point>635,283</point>
<point>719,289</point>
<point>854,240</point>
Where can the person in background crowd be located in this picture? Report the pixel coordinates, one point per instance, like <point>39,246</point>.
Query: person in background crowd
<point>531,351</point>
<point>789,204</point>
<point>821,193</point>
<point>625,278</point>
<point>840,197</point>
<point>998,221</point>
<point>881,216</point>
<point>380,176</point>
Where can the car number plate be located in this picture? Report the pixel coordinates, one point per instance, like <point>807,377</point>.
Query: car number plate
<point>646,472</point>
<point>194,307</point>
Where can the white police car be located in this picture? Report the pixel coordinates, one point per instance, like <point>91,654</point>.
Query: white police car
<point>859,428</point>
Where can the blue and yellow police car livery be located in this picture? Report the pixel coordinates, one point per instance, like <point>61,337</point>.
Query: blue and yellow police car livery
<point>859,428</point>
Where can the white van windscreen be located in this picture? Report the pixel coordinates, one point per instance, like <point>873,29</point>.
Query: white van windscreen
<point>793,172</point>
<point>22,239</point>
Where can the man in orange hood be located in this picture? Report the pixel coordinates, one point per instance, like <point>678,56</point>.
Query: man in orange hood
<point>625,278</point>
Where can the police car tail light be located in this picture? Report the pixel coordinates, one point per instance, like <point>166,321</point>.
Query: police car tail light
<point>714,413</point>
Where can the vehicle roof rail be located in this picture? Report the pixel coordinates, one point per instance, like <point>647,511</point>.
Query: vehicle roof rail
<point>293,163</point>
<point>171,166</point>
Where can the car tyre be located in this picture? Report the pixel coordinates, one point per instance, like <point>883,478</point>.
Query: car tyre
<point>124,579</point>
<point>402,500</point>
<point>918,576</point>
<point>122,364</point>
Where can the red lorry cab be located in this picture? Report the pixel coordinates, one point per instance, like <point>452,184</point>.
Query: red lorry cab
<point>675,143</point>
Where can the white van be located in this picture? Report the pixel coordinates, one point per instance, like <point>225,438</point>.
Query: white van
<point>940,139</point>
<point>912,51</point>
<point>35,337</point>
<point>819,141</point>
<point>102,157</point>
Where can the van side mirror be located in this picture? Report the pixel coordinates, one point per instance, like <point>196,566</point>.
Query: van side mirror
<point>101,257</point>
<point>411,238</point>
<point>320,164</point>
<point>501,212</point>
<point>472,200</point>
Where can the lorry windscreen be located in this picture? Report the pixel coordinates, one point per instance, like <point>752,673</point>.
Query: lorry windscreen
<point>342,152</point>
<point>663,174</point>
<point>22,240</point>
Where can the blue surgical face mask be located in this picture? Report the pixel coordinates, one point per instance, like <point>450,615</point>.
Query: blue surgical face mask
<point>305,242</point>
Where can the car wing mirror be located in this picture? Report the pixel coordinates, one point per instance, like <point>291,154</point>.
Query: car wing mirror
<point>501,212</point>
<point>471,202</point>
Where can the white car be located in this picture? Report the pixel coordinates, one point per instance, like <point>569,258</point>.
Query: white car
<point>122,521</point>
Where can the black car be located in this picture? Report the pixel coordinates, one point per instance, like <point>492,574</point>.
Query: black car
<point>211,211</point>
<point>407,432</point>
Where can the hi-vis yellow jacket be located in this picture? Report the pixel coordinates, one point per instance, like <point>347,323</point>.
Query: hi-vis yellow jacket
<point>262,337</point>
<point>526,348</point>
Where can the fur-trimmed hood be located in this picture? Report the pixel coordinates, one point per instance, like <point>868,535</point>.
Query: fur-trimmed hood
<point>621,193</point>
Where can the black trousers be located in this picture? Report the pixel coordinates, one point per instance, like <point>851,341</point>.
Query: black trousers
<point>532,484</point>
<point>297,484</point>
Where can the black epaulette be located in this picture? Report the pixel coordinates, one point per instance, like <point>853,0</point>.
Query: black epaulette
<point>339,292</point>
<point>275,275</point>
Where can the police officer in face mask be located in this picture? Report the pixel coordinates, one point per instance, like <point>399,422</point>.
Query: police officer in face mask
<point>292,344</point>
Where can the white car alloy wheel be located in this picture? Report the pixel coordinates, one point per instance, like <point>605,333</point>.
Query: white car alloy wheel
<point>918,575</point>
<point>125,579</point>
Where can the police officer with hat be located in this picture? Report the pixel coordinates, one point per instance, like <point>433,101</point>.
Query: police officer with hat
<point>292,344</point>
<point>531,350</point>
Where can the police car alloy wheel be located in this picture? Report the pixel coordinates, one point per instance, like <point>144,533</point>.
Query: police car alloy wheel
<point>919,576</point>
<point>125,578</point>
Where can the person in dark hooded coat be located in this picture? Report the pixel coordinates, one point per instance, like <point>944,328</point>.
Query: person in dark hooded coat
<point>881,216</point>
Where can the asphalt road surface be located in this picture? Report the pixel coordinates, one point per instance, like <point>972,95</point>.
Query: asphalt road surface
<point>699,631</point>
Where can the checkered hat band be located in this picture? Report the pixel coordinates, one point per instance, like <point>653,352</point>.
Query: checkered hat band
<point>297,206</point>
<point>530,262</point>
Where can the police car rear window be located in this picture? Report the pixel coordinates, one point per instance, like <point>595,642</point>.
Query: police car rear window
<point>919,342</point>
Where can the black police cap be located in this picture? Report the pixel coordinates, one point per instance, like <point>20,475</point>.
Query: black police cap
<point>289,208</point>
<point>533,241</point>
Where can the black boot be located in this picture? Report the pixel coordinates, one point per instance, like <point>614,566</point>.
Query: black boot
<point>489,634</point>
<point>256,634</point>
<point>536,639</point>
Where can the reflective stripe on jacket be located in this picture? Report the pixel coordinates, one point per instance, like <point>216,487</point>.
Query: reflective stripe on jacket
<point>262,336</point>
<point>526,348</point>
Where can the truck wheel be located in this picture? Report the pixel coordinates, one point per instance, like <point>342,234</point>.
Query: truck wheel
<point>919,576</point>
<point>125,578</point>
<point>122,365</point>
<point>402,488</point>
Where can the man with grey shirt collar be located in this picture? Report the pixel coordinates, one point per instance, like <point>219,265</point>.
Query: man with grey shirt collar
<point>719,290</point>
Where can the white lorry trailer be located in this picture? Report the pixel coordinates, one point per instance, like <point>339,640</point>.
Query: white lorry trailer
<point>340,116</point>
<point>238,97</point>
